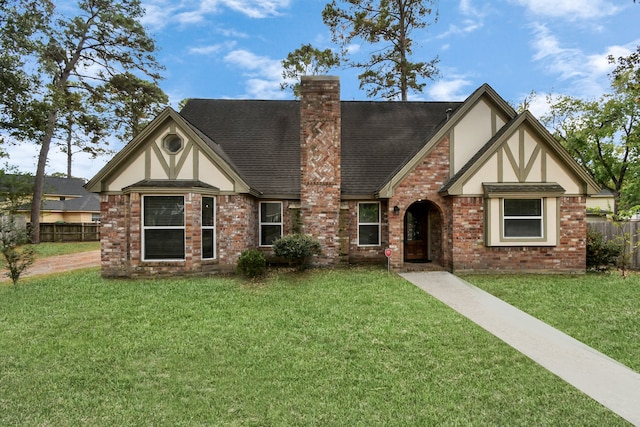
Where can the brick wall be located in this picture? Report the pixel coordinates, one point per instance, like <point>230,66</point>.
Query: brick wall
<point>356,254</point>
<point>422,184</point>
<point>121,236</point>
<point>470,253</point>
<point>114,235</point>
<point>320,184</point>
<point>237,227</point>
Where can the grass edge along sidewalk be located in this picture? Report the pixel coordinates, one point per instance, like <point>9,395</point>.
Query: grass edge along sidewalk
<point>356,347</point>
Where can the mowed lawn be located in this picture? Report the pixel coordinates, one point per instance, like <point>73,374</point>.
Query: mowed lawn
<point>601,310</point>
<point>325,348</point>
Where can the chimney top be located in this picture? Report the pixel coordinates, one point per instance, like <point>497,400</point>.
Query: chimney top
<point>320,78</point>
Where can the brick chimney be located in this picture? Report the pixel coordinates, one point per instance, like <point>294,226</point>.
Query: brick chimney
<point>320,162</point>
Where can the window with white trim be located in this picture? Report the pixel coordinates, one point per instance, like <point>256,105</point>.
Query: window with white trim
<point>208,227</point>
<point>163,227</point>
<point>369,224</point>
<point>270,222</point>
<point>522,218</point>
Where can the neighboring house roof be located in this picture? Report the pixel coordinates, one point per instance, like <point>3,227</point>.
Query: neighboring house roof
<point>262,139</point>
<point>67,195</point>
<point>71,194</point>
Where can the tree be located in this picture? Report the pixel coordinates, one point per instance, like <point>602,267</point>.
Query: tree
<point>134,102</point>
<point>388,72</point>
<point>64,56</point>
<point>304,61</point>
<point>604,137</point>
<point>15,190</point>
<point>82,129</point>
<point>19,22</point>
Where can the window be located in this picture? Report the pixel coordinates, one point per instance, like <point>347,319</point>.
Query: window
<point>163,228</point>
<point>172,143</point>
<point>369,224</point>
<point>522,218</point>
<point>208,228</point>
<point>270,222</point>
<point>95,217</point>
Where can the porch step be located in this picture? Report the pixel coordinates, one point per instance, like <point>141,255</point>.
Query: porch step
<point>420,266</point>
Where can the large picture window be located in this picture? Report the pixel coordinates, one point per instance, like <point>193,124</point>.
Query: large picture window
<point>208,228</point>
<point>163,228</point>
<point>522,218</point>
<point>369,224</point>
<point>270,222</point>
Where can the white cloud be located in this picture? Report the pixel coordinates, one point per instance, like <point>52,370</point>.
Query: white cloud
<point>254,8</point>
<point>586,74</point>
<point>558,60</point>
<point>538,103</point>
<point>570,9</point>
<point>211,49</point>
<point>24,156</point>
<point>449,89</point>
<point>205,50</point>
<point>468,26</point>
<point>264,74</point>
<point>160,13</point>
<point>473,20</point>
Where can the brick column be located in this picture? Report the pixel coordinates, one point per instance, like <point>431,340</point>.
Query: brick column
<point>320,162</point>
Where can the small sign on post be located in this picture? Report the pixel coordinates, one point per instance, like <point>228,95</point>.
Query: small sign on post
<point>388,253</point>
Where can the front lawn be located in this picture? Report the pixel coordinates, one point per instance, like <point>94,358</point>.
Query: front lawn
<point>601,310</point>
<point>330,348</point>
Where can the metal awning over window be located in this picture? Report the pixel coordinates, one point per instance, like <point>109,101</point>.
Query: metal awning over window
<point>540,189</point>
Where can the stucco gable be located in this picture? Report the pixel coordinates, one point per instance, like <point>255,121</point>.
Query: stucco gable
<point>144,158</point>
<point>522,151</point>
<point>484,96</point>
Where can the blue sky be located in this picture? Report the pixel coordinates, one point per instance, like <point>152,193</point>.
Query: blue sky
<point>233,49</point>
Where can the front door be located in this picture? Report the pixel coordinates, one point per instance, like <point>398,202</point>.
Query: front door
<point>416,226</point>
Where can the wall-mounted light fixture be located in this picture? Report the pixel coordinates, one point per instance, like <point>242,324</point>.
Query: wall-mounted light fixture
<point>396,210</point>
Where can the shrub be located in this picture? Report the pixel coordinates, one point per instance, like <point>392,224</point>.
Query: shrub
<point>601,254</point>
<point>17,255</point>
<point>252,263</point>
<point>297,248</point>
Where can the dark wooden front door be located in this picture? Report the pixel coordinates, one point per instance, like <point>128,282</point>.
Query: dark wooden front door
<point>416,229</point>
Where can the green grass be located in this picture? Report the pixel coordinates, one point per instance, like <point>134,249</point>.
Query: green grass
<point>601,310</point>
<point>330,348</point>
<point>44,250</point>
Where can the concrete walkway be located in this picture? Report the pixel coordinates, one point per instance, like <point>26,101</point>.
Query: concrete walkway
<point>59,264</point>
<point>609,382</point>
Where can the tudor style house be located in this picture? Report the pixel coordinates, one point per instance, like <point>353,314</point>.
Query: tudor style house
<point>468,186</point>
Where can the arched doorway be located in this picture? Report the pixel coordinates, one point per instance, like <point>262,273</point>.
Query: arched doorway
<point>423,233</point>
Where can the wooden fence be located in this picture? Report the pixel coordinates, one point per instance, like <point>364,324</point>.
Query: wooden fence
<point>629,231</point>
<point>70,232</point>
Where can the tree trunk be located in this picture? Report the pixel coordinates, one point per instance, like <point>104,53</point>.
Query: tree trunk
<point>69,146</point>
<point>38,188</point>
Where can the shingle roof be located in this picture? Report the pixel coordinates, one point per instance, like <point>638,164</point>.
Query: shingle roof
<point>77,198</point>
<point>262,139</point>
<point>71,194</point>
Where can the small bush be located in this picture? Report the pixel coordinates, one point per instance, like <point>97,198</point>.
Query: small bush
<point>601,254</point>
<point>297,248</point>
<point>18,256</point>
<point>252,263</point>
